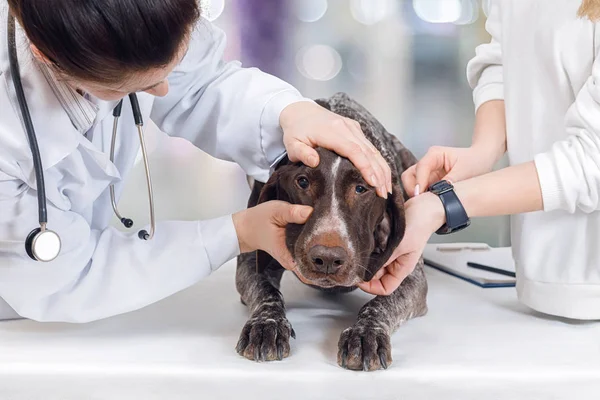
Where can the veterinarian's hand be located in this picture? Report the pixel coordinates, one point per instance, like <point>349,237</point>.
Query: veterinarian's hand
<point>307,125</point>
<point>263,228</point>
<point>453,164</point>
<point>424,215</point>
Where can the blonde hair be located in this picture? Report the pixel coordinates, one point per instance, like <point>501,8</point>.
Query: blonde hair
<point>590,9</point>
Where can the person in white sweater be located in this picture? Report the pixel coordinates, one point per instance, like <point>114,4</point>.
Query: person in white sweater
<point>536,89</point>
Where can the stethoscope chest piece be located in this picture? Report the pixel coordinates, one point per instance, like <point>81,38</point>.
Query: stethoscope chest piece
<point>43,245</point>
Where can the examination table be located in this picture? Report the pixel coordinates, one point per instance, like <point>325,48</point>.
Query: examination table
<point>474,343</point>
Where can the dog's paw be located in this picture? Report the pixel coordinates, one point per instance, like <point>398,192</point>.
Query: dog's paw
<point>364,348</point>
<point>266,339</point>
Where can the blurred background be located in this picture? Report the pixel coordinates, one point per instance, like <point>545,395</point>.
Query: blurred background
<point>405,60</point>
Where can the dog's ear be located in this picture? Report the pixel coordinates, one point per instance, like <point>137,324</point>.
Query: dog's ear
<point>272,190</point>
<point>389,231</point>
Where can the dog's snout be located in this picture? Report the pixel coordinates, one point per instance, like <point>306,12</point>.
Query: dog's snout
<point>327,260</point>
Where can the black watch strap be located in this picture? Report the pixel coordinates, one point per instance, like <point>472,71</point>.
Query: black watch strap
<point>456,216</point>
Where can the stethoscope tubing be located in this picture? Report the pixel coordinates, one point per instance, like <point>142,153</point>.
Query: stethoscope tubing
<point>29,128</point>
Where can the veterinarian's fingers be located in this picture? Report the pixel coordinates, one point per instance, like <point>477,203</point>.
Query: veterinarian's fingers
<point>387,171</point>
<point>291,214</point>
<point>299,151</point>
<point>380,273</point>
<point>382,169</point>
<point>409,180</point>
<point>382,190</point>
<point>397,272</point>
<point>350,148</point>
<point>284,257</point>
<point>390,281</point>
<point>359,134</point>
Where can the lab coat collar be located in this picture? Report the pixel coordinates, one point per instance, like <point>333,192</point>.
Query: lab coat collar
<point>81,111</point>
<point>56,135</point>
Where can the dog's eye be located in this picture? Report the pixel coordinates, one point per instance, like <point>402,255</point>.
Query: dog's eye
<point>303,182</point>
<point>360,189</point>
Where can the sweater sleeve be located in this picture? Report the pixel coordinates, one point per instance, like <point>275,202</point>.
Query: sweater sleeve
<point>569,173</point>
<point>484,71</point>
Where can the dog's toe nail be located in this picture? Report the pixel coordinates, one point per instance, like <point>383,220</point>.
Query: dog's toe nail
<point>365,365</point>
<point>256,353</point>
<point>241,346</point>
<point>344,358</point>
<point>293,333</point>
<point>383,359</point>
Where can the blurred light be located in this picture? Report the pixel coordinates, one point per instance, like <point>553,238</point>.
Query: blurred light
<point>310,10</point>
<point>319,62</point>
<point>392,47</point>
<point>369,12</point>
<point>469,12</point>
<point>361,68</point>
<point>357,65</point>
<point>438,11</point>
<point>213,8</point>
<point>486,5</point>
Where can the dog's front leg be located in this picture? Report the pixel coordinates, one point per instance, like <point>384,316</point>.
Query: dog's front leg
<point>266,335</point>
<point>366,345</point>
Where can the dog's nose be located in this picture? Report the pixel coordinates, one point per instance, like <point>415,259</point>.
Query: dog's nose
<point>327,260</point>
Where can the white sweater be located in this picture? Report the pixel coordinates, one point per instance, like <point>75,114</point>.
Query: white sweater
<point>542,62</point>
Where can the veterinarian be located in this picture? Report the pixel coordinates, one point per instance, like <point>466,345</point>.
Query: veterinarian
<point>537,96</point>
<point>73,63</point>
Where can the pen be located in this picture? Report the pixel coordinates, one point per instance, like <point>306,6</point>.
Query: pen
<point>491,269</point>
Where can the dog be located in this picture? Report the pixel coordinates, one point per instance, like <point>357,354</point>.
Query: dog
<point>348,238</point>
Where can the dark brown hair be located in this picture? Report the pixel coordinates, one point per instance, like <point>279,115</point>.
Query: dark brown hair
<point>105,41</point>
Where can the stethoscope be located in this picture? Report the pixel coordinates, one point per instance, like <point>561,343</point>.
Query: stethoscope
<point>43,244</point>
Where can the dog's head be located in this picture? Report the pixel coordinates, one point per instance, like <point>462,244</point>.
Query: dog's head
<point>352,231</point>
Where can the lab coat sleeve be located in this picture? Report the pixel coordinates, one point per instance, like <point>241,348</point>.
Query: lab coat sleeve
<point>485,71</point>
<point>569,173</point>
<point>228,111</point>
<point>101,273</point>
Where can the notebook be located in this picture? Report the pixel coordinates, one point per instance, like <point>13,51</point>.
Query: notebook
<point>452,259</point>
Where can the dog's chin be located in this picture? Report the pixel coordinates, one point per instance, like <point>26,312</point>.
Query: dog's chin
<point>325,281</point>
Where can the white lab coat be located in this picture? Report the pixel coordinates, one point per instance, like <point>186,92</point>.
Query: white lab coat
<point>228,111</point>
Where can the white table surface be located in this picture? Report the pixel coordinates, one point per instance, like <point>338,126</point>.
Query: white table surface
<point>474,342</point>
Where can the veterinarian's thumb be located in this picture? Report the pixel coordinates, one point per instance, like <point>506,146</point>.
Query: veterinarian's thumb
<point>294,214</point>
<point>425,168</point>
<point>302,152</point>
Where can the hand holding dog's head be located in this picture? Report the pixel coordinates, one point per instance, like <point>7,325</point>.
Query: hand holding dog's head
<point>352,231</point>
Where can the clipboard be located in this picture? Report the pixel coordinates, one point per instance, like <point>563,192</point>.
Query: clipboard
<point>452,259</point>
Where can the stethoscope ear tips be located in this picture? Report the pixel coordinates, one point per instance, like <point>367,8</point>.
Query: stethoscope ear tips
<point>43,245</point>
<point>128,223</point>
<point>143,234</point>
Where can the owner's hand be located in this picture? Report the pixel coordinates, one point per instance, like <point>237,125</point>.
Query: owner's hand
<point>263,228</point>
<point>307,125</point>
<point>424,215</point>
<point>446,163</point>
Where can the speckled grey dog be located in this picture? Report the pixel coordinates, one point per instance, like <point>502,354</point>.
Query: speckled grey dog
<point>350,235</point>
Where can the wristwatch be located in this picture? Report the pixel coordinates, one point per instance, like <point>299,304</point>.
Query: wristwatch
<point>456,216</point>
